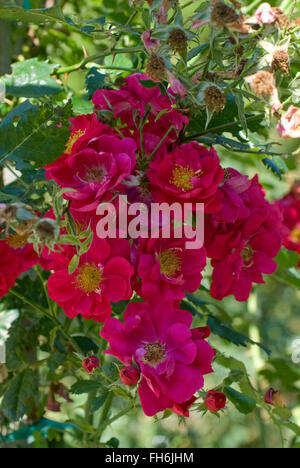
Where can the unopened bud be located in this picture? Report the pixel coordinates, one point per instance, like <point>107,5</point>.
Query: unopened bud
<point>215,401</point>
<point>130,375</point>
<point>90,363</point>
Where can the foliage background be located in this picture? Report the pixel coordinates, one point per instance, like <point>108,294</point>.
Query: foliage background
<point>271,316</point>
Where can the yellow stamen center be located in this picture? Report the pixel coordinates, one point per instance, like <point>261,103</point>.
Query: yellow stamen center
<point>170,262</point>
<point>94,174</point>
<point>89,278</point>
<point>182,175</point>
<point>16,241</point>
<point>247,254</point>
<point>155,353</point>
<point>295,235</point>
<point>72,140</point>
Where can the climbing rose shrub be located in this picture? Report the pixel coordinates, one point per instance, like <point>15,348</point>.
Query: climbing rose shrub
<point>139,318</point>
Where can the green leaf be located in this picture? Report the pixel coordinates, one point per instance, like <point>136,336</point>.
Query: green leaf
<point>73,264</point>
<point>37,16</point>
<point>98,402</point>
<point>243,403</point>
<point>19,390</point>
<point>148,83</point>
<point>270,164</point>
<point>81,105</point>
<point>226,332</point>
<point>197,50</point>
<point>287,258</point>
<point>31,78</point>
<point>94,80</point>
<point>84,386</point>
<point>241,110</point>
<point>86,344</point>
<point>30,133</point>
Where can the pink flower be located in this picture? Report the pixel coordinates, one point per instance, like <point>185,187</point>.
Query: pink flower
<point>176,86</point>
<point>239,195</point>
<point>84,129</point>
<point>265,14</point>
<point>95,170</point>
<point>242,252</point>
<point>130,375</point>
<point>103,275</point>
<point>290,206</point>
<point>90,363</point>
<point>166,269</point>
<point>172,360</point>
<point>10,268</point>
<point>191,173</point>
<point>162,15</point>
<point>134,98</point>
<point>182,409</point>
<point>152,45</point>
<point>289,126</point>
<point>215,401</point>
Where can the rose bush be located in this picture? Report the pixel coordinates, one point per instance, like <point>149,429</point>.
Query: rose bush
<point>178,105</point>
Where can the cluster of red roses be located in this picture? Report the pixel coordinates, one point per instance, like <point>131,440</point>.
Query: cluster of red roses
<point>139,156</point>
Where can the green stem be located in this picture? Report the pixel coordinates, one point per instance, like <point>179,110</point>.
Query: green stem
<point>44,288</point>
<point>93,58</point>
<point>47,314</point>
<point>161,141</point>
<point>88,414</point>
<point>117,416</point>
<point>103,423</point>
<point>219,127</point>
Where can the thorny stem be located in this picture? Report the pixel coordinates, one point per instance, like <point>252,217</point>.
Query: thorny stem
<point>117,416</point>
<point>93,58</point>
<point>47,314</point>
<point>106,408</point>
<point>219,127</point>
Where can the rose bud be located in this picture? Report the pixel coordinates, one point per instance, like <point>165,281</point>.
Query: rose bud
<point>272,397</point>
<point>130,375</point>
<point>90,363</point>
<point>215,401</point>
<point>182,409</point>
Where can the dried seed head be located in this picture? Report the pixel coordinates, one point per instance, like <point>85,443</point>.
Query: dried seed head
<point>178,40</point>
<point>280,61</point>
<point>20,217</point>
<point>223,14</point>
<point>47,231</point>
<point>155,68</point>
<point>262,83</point>
<point>214,99</point>
<point>281,20</point>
